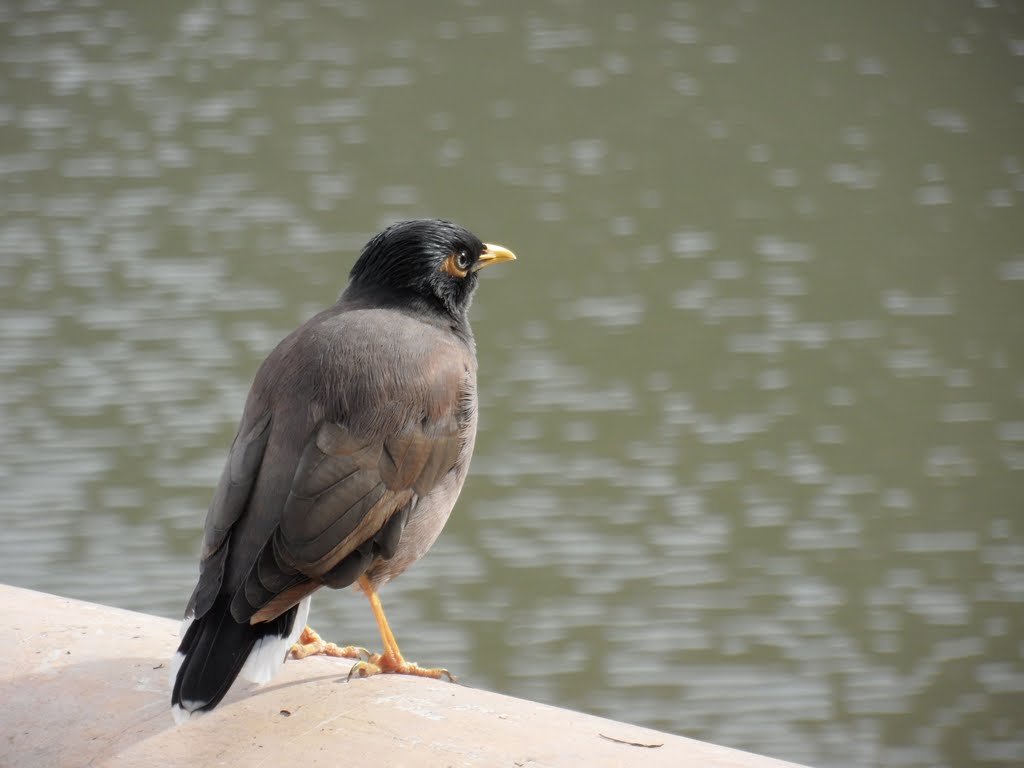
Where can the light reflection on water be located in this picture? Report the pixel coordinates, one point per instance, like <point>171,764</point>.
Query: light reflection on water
<point>751,431</point>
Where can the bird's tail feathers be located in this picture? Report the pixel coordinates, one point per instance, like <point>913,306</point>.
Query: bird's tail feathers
<point>215,649</point>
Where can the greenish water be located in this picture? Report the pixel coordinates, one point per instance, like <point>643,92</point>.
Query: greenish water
<point>751,453</point>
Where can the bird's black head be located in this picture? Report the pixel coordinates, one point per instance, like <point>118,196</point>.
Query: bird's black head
<point>428,262</point>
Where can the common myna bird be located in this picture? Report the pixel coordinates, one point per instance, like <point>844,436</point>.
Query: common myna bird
<point>353,446</point>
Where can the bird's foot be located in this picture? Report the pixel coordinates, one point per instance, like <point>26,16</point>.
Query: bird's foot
<point>378,664</point>
<point>311,644</point>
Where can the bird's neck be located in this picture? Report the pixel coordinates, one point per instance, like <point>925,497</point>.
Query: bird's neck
<point>410,303</point>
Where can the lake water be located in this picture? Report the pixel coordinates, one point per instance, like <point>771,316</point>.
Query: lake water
<point>751,454</point>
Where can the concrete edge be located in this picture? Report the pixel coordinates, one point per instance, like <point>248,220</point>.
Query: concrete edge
<point>86,684</point>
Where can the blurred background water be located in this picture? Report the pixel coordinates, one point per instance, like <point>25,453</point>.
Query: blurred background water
<point>751,453</point>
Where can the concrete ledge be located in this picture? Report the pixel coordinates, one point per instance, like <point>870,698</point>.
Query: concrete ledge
<point>85,684</point>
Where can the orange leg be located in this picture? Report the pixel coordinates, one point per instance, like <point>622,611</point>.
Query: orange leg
<point>391,661</point>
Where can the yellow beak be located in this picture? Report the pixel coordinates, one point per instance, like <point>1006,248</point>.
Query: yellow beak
<point>493,254</point>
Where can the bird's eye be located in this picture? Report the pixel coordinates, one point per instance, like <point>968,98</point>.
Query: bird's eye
<point>458,263</point>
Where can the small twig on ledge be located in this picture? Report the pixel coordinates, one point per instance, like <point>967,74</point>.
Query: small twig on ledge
<point>630,743</point>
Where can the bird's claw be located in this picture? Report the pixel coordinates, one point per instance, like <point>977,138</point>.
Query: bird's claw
<point>363,669</point>
<point>311,644</point>
<point>377,664</point>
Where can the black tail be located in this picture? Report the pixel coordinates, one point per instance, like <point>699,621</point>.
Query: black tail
<point>215,648</point>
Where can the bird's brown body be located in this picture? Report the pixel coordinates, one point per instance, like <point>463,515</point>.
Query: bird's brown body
<point>353,446</point>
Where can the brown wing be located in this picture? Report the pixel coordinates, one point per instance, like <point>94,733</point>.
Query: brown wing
<point>347,486</point>
<point>348,506</point>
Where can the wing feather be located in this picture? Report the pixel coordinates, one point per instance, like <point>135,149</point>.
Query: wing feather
<point>229,503</point>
